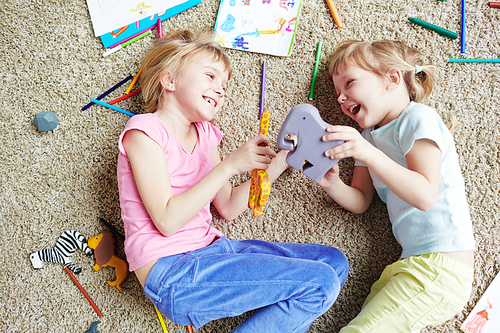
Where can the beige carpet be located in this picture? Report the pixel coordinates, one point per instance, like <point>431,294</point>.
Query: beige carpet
<point>66,179</point>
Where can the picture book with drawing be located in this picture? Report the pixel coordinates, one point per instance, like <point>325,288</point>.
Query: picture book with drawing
<point>263,26</point>
<point>117,20</point>
<point>485,317</point>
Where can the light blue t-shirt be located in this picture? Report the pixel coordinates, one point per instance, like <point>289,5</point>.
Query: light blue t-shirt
<point>447,226</point>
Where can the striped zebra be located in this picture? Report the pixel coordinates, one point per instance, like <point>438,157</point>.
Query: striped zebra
<point>66,245</point>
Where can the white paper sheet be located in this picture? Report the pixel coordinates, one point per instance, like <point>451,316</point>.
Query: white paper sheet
<point>109,15</point>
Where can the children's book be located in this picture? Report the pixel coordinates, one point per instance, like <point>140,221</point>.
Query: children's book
<point>263,26</point>
<point>485,317</point>
<point>109,15</point>
<point>115,36</point>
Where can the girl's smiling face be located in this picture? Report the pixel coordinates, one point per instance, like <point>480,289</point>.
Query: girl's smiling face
<point>200,89</point>
<point>364,96</point>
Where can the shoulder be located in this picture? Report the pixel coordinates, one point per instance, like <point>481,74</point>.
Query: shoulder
<point>420,121</point>
<point>147,123</point>
<point>210,133</point>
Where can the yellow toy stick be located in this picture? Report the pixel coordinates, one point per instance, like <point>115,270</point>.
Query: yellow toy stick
<point>260,186</point>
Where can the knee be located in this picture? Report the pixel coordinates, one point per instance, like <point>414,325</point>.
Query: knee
<point>338,261</point>
<point>329,283</point>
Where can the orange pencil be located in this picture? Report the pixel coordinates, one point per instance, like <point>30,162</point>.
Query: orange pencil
<point>335,14</point>
<point>133,81</point>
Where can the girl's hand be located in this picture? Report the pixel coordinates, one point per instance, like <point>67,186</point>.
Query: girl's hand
<point>330,178</point>
<point>278,165</point>
<point>355,145</point>
<point>254,154</point>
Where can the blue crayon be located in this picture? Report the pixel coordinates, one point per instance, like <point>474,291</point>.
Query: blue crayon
<point>96,101</point>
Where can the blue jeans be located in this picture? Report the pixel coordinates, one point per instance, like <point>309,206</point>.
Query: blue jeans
<point>290,284</point>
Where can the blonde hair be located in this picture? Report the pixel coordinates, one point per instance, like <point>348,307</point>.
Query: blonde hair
<point>172,54</point>
<point>381,57</point>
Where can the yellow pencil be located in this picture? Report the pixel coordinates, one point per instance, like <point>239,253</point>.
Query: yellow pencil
<point>161,320</point>
<point>133,82</point>
<point>335,14</point>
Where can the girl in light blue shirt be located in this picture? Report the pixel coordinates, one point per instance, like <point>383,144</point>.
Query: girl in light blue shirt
<point>407,155</point>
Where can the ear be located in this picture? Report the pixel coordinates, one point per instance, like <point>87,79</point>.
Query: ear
<point>395,78</point>
<point>168,82</point>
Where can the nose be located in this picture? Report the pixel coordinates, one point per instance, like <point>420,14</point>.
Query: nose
<point>342,98</point>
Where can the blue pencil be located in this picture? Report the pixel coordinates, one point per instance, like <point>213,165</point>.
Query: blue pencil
<point>96,101</point>
<point>109,91</point>
<point>462,37</point>
<point>473,60</point>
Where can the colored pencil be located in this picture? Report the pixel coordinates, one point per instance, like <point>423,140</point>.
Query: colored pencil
<point>113,230</point>
<point>133,81</point>
<point>133,36</point>
<point>315,73</point>
<point>462,34</point>
<point>99,313</point>
<point>125,44</point>
<point>112,107</point>
<point>474,60</point>
<point>109,91</point>
<point>159,27</point>
<point>494,4</point>
<point>262,88</point>
<point>135,92</point>
<point>335,14</point>
<point>162,322</point>
<point>433,27</point>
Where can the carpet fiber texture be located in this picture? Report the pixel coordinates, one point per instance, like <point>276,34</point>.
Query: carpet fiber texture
<point>65,179</point>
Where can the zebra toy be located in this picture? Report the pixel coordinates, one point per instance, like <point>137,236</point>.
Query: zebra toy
<point>66,245</point>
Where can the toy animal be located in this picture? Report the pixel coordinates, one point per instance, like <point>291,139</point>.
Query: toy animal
<point>104,253</point>
<point>306,124</point>
<point>66,245</point>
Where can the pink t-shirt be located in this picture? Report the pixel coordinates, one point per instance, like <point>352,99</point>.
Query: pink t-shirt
<point>143,242</point>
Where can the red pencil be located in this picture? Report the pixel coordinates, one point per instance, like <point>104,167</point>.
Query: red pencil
<point>83,291</point>
<point>494,4</point>
<point>125,96</point>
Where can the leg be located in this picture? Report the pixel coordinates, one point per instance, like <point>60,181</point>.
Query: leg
<point>290,284</point>
<point>419,291</point>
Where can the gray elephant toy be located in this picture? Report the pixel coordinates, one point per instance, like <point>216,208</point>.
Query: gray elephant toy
<point>306,124</point>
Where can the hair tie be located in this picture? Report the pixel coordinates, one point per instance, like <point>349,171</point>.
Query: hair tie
<point>418,69</point>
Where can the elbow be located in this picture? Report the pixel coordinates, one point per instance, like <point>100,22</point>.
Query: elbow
<point>227,215</point>
<point>425,204</point>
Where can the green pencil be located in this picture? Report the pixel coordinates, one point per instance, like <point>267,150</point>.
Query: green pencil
<point>433,27</point>
<point>473,60</point>
<point>316,64</point>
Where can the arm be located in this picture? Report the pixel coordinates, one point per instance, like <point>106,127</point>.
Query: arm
<point>231,202</point>
<point>169,213</point>
<point>355,198</point>
<point>417,185</point>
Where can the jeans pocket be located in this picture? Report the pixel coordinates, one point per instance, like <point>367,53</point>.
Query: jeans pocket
<point>441,312</point>
<point>200,318</point>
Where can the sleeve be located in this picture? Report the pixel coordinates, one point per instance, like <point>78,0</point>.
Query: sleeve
<point>214,135</point>
<point>421,123</point>
<point>145,123</point>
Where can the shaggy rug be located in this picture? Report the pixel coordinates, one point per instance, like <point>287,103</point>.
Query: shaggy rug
<point>65,179</point>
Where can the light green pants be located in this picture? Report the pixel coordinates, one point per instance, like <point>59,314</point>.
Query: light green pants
<point>415,292</point>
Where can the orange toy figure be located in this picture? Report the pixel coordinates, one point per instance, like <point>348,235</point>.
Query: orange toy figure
<point>104,253</point>
<point>260,185</point>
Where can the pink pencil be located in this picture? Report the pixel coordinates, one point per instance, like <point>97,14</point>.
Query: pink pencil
<point>159,27</point>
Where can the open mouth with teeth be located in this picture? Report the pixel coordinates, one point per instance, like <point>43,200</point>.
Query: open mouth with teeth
<point>354,109</point>
<point>210,101</point>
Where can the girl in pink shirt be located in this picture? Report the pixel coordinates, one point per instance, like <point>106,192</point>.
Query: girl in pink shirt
<point>169,172</point>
